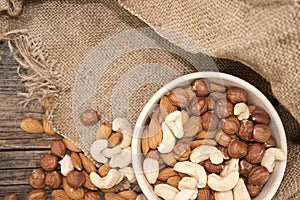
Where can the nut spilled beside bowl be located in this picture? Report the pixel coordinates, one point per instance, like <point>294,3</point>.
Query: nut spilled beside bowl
<point>205,134</point>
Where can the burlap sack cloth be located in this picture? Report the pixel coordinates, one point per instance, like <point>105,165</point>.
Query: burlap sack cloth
<point>54,41</point>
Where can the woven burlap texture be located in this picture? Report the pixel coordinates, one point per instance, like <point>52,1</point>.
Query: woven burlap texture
<point>56,39</point>
<point>263,34</point>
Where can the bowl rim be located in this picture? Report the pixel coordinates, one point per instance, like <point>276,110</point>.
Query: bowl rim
<point>136,155</point>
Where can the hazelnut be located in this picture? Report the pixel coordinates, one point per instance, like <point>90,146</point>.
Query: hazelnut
<point>260,116</point>
<point>216,87</point>
<point>223,139</point>
<point>92,196</point>
<point>254,190</point>
<point>245,167</point>
<point>271,142</point>
<point>237,149</point>
<point>59,195</point>
<point>182,146</point>
<point>48,162</point>
<point>76,179</point>
<point>223,108</point>
<point>252,108</point>
<point>11,197</point>
<point>259,175</point>
<point>37,194</point>
<point>209,121</point>
<point>236,95</point>
<point>246,130</point>
<point>58,148</point>
<point>261,133</point>
<point>53,179</point>
<point>224,151</point>
<point>210,103</point>
<point>231,125</point>
<point>37,179</point>
<point>89,117</point>
<point>200,87</point>
<point>255,153</point>
<point>212,168</point>
<point>198,105</point>
<point>178,97</point>
<point>217,95</point>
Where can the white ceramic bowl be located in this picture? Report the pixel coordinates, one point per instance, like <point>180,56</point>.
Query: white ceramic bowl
<point>254,97</point>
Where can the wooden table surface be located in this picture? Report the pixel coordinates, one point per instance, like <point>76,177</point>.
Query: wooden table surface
<point>19,151</point>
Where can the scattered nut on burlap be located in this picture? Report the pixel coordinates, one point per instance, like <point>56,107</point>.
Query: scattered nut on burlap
<point>64,44</point>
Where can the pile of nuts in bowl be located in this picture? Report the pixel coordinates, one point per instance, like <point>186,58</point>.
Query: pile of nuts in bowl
<point>204,141</point>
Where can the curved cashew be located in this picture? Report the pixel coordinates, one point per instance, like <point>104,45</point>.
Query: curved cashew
<point>129,174</point>
<point>122,159</point>
<point>168,142</point>
<point>240,191</point>
<point>194,170</point>
<point>166,191</point>
<point>151,169</point>
<point>141,197</point>
<point>109,181</point>
<point>187,183</point>
<point>187,194</point>
<point>271,156</point>
<point>232,165</point>
<point>174,122</point>
<point>227,195</point>
<point>124,126</point>
<point>222,184</point>
<point>241,110</point>
<point>66,165</point>
<point>110,152</point>
<point>96,149</point>
<point>205,152</point>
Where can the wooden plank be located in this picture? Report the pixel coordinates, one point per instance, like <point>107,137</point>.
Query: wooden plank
<point>20,190</point>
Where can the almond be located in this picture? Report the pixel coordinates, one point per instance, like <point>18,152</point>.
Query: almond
<point>87,163</point>
<point>115,139</point>
<point>153,154</point>
<point>192,126</point>
<point>88,183</point>
<point>76,161</point>
<point>145,142</point>
<point>48,128</point>
<point>205,135</point>
<point>168,158</point>
<point>204,194</point>
<point>166,173</point>
<point>166,107</point>
<point>174,181</point>
<point>104,131</point>
<point>59,195</point>
<point>111,196</point>
<point>103,170</point>
<point>155,133</point>
<point>110,190</point>
<point>71,192</point>
<point>69,145</point>
<point>30,125</point>
<point>198,143</point>
<point>127,195</point>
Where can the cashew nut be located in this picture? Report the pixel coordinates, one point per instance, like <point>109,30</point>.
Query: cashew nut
<point>151,169</point>
<point>174,122</point>
<point>66,165</point>
<point>141,197</point>
<point>110,152</point>
<point>240,191</point>
<point>227,195</point>
<point>168,142</point>
<point>194,170</point>
<point>187,183</point>
<point>110,180</point>
<point>205,152</point>
<point>166,191</point>
<point>122,159</point>
<point>271,156</point>
<point>232,165</point>
<point>96,149</point>
<point>186,194</point>
<point>222,184</point>
<point>241,110</point>
<point>124,126</point>
<point>129,174</point>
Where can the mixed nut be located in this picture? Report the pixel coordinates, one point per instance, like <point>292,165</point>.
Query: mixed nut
<point>204,141</point>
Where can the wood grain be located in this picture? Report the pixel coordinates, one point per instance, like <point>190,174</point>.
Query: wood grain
<point>19,151</point>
